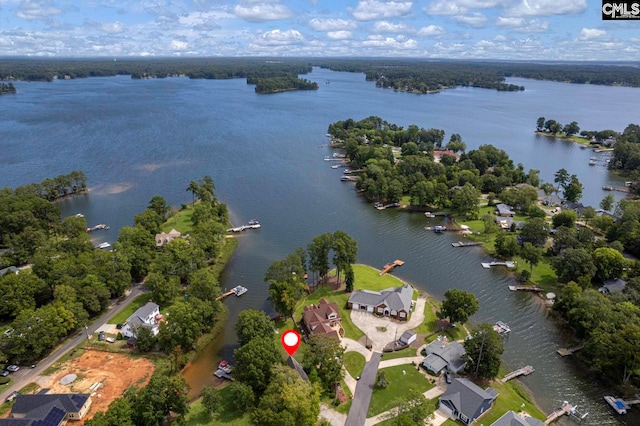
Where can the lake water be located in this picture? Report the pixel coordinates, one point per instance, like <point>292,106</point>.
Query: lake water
<point>139,138</point>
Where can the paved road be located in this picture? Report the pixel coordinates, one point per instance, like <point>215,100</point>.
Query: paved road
<point>360,405</point>
<point>28,375</point>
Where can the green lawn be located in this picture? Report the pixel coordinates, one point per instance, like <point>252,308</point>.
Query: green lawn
<point>403,353</point>
<point>181,221</point>
<point>399,386</point>
<point>354,363</point>
<point>432,403</point>
<point>543,274</point>
<point>453,333</point>
<point>429,323</point>
<point>197,416</point>
<point>511,396</point>
<point>136,303</point>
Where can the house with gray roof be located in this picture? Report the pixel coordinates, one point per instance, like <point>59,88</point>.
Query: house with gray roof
<point>504,210</point>
<point>54,409</point>
<point>512,419</point>
<point>465,401</point>
<point>10,269</point>
<point>295,365</point>
<point>612,285</point>
<point>551,200</point>
<point>442,355</point>
<point>146,316</point>
<point>393,302</point>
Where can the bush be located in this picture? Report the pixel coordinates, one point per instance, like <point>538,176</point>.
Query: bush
<point>4,380</point>
<point>524,276</point>
<point>119,336</point>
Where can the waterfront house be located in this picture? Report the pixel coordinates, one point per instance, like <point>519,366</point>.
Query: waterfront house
<point>612,286</point>
<point>504,210</point>
<point>512,419</point>
<point>392,302</point>
<point>322,318</point>
<point>576,207</point>
<point>465,401</point>
<point>43,409</point>
<point>408,337</point>
<point>9,270</point>
<point>551,200</point>
<point>437,155</point>
<point>146,316</point>
<point>166,238</point>
<point>442,355</point>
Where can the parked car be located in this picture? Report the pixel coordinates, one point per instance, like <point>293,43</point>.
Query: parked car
<point>4,373</point>
<point>12,396</point>
<point>447,377</point>
<point>13,368</point>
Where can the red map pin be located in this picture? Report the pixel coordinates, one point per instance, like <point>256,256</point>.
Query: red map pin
<point>290,341</point>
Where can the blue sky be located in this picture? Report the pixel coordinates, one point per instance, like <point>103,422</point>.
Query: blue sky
<point>488,29</point>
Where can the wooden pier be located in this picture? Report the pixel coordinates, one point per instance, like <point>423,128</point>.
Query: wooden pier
<point>565,410</point>
<point>570,351</point>
<point>525,288</point>
<point>391,266</point>
<point>524,371</point>
<point>466,244</point>
<point>227,294</point>
<point>508,264</point>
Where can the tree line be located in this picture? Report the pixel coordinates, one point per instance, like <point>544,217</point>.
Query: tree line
<point>53,188</point>
<point>7,88</point>
<point>283,84</point>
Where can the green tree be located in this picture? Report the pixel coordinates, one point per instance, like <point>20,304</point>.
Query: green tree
<point>484,348</point>
<point>203,285</point>
<point>540,124</point>
<point>255,362</point>
<point>211,399</point>
<point>145,339</point>
<point>535,231</point>
<point>326,355</point>
<point>163,290</point>
<point>381,380</point>
<point>159,205</point>
<point>345,250</point>
<point>571,264</point>
<point>573,191</point>
<point>459,305</point>
<point>318,251</point>
<point>242,397</point>
<point>288,400</point>
<point>465,200</point>
<point>193,188</point>
<point>531,254</point>
<point>506,245</point>
<point>137,245</point>
<point>412,411</point>
<point>349,279</point>
<point>607,202</point>
<point>284,296</point>
<point>561,177</point>
<point>163,396</point>
<point>609,263</point>
<point>535,211</point>
<point>571,129</point>
<point>118,414</point>
<point>253,324</point>
<point>565,218</point>
<point>149,220</point>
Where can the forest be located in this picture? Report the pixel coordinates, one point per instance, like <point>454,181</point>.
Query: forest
<point>394,163</point>
<point>283,84</point>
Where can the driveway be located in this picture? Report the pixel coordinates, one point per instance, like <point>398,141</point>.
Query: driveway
<point>362,397</point>
<point>335,418</point>
<point>371,325</point>
<point>351,345</point>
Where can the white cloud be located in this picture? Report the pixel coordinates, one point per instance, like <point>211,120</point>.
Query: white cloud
<point>593,34</point>
<point>431,31</point>
<point>319,24</point>
<point>399,42</point>
<point>521,25</point>
<point>369,10</point>
<point>340,35</point>
<point>388,27</point>
<point>547,8</point>
<point>475,20</point>
<point>262,12</point>
<point>460,7</point>
<point>37,9</point>
<point>197,19</point>
<point>177,45</point>
<point>111,27</point>
<point>279,38</point>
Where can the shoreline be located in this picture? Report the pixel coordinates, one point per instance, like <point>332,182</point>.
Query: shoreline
<point>75,194</point>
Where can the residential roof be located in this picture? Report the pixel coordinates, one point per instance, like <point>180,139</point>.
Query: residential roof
<point>139,316</point>
<point>512,419</point>
<point>468,398</point>
<point>612,285</point>
<point>504,209</point>
<point>12,269</point>
<point>407,335</point>
<point>163,238</point>
<point>551,200</point>
<point>293,363</point>
<point>50,409</point>
<point>451,353</point>
<point>316,317</point>
<point>396,299</point>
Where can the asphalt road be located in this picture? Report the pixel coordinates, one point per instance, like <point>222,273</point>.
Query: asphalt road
<point>362,397</point>
<point>28,375</point>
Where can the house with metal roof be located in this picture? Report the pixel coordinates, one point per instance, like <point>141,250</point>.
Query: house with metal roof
<point>612,286</point>
<point>146,316</point>
<point>9,270</point>
<point>43,409</point>
<point>393,302</point>
<point>442,355</point>
<point>504,210</point>
<point>512,419</point>
<point>465,401</point>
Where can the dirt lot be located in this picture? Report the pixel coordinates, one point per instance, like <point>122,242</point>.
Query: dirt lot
<point>116,372</point>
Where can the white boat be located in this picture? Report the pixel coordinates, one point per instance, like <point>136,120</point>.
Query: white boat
<point>592,161</point>
<point>335,166</point>
<point>501,328</point>
<point>103,245</point>
<point>617,404</point>
<point>240,290</point>
<point>429,214</point>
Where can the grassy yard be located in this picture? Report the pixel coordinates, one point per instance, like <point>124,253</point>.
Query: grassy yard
<point>135,304</point>
<point>354,363</point>
<point>429,323</point>
<point>403,353</point>
<point>227,416</point>
<point>452,333</point>
<point>432,404</point>
<point>511,396</point>
<point>399,386</point>
<point>181,221</point>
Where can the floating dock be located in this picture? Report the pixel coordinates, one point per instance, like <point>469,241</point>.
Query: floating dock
<point>565,410</point>
<point>237,290</point>
<point>466,244</point>
<point>349,178</point>
<point>570,351</point>
<point>391,266</point>
<point>524,371</point>
<point>508,264</point>
<point>525,288</point>
<point>253,224</point>
<point>98,227</point>
<point>380,206</point>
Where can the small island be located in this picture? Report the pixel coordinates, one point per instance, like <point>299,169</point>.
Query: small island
<point>7,88</point>
<point>283,84</point>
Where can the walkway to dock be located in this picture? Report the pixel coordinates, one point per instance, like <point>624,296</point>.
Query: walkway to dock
<point>524,371</point>
<point>223,295</point>
<point>391,266</point>
<point>567,352</point>
<point>565,410</point>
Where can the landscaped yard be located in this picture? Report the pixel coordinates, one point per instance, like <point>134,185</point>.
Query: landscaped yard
<point>181,221</point>
<point>398,389</point>
<point>197,416</point>
<point>403,353</point>
<point>429,324</point>
<point>136,303</point>
<point>511,396</point>
<point>432,404</point>
<point>354,363</point>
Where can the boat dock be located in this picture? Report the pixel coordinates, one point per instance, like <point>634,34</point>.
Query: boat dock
<point>391,266</point>
<point>570,351</point>
<point>98,227</point>
<point>525,288</point>
<point>524,371</point>
<point>501,328</point>
<point>633,401</point>
<point>508,264</point>
<point>253,224</point>
<point>466,244</point>
<point>237,290</point>
<point>565,410</point>
<point>349,178</point>
<point>226,294</point>
<point>380,206</point>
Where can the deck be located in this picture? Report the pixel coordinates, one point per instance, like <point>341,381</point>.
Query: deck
<point>508,264</point>
<point>391,266</point>
<point>525,288</point>
<point>570,351</point>
<point>466,244</point>
<point>565,410</point>
<point>524,371</point>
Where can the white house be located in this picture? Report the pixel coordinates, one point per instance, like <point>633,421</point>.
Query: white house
<point>408,337</point>
<point>146,316</point>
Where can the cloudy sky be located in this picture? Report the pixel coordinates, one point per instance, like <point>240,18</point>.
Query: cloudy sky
<point>499,29</point>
